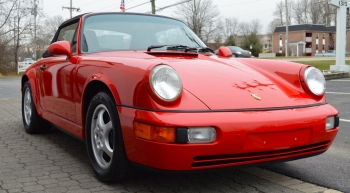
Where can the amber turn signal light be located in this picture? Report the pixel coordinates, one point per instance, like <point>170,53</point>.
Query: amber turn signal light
<point>154,133</point>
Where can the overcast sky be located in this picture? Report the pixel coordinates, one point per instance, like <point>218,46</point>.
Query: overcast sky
<point>243,10</point>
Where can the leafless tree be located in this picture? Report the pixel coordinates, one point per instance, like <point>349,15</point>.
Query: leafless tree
<point>255,26</point>
<point>230,26</point>
<point>6,30</point>
<point>210,31</point>
<point>21,26</point>
<point>5,54</point>
<point>298,12</point>
<point>244,29</point>
<point>6,9</point>
<point>52,23</point>
<point>201,16</point>
<point>316,11</point>
<point>247,28</point>
<point>47,30</point>
<point>330,13</point>
<point>272,26</point>
<point>279,12</point>
<point>305,12</point>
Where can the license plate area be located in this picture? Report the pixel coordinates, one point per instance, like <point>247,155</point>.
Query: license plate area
<point>277,140</point>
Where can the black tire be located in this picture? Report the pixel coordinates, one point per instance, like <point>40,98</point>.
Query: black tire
<point>32,122</point>
<point>104,140</point>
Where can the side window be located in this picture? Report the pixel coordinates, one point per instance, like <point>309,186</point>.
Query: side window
<point>68,33</point>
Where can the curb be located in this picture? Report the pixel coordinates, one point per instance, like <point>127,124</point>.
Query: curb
<point>335,75</point>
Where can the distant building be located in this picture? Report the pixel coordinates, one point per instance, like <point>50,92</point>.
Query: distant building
<point>304,39</point>
<point>265,40</point>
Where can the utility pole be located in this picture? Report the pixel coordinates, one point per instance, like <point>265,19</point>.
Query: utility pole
<point>153,2</point>
<point>35,13</point>
<point>71,8</point>
<point>168,6</point>
<point>287,30</point>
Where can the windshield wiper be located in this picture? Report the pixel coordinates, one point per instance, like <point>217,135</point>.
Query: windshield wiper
<point>207,49</point>
<point>172,47</point>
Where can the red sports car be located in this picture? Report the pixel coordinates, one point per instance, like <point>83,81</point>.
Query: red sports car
<point>144,90</point>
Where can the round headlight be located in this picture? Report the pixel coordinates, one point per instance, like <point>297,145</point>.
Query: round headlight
<point>315,81</point>
<point>165,82</point>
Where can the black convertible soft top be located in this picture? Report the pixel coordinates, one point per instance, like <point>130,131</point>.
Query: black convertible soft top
<point>67,22</point>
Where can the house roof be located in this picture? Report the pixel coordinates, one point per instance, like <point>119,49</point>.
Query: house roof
<point>306,27</point>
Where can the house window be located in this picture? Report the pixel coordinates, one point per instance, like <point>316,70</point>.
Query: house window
<point>265,46</point>
<point>323,36</point>
<point>280,47</point>
<point>280,36</point>
<point>317,36</point>
<point>323,47</point>
<point>316,46</point>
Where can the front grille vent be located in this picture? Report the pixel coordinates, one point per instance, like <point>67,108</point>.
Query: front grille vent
<point>247,158</point>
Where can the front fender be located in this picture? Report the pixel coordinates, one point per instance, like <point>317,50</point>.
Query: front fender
<point>283,73</point>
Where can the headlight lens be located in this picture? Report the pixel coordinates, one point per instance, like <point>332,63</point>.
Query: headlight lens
<point>315,81</point>
<point>165,82</point>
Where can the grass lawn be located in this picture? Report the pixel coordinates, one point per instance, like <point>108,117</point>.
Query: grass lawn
<point>11,75</point>
<point>321,64</point>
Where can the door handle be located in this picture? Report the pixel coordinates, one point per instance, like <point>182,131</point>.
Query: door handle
<point>43,67</point>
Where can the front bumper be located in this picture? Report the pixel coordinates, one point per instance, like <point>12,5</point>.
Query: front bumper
<point>243,138</point>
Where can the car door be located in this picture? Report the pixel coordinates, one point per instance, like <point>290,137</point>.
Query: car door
<point>58,79</point>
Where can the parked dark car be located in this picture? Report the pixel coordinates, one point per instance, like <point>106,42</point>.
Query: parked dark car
<point>238,52</point>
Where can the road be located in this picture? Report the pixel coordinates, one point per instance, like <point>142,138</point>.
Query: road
<point>56,162</point>
<point>331,169</point>
<point>10,88</point>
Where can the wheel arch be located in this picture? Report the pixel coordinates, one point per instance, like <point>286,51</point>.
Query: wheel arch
<point>23,81</point>
<point>91,89</point>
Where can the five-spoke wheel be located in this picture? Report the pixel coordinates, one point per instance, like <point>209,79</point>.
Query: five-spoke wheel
<point>102,136</point>
<point>32,122</point>
<point>104,140</point>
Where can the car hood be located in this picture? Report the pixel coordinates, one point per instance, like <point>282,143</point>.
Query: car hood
<point>229,84</point>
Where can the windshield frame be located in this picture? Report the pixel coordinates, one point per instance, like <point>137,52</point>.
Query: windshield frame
<point>189,33</point>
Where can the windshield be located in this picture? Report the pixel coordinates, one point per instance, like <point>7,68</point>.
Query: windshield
<point>110,32</point>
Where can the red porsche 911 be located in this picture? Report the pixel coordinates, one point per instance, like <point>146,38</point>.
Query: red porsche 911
<point>144,90</point>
